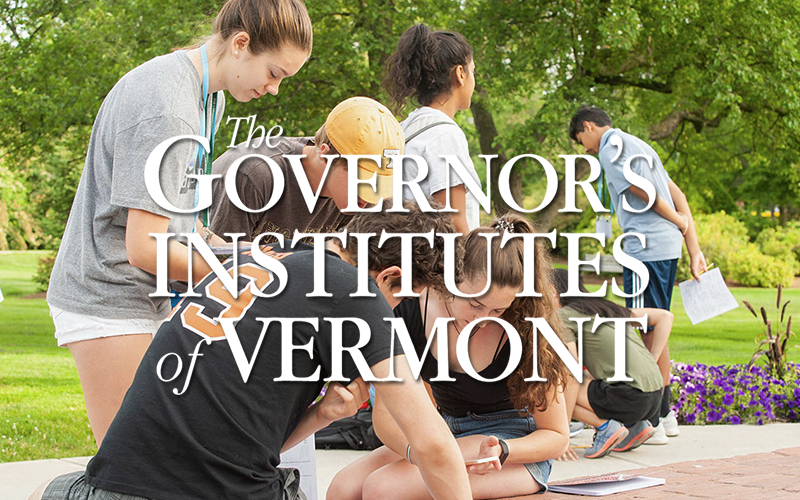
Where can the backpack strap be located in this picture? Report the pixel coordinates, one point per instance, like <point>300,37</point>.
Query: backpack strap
<point>426,127</point>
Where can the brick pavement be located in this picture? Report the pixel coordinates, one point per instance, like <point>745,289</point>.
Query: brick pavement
<point>773,476</point>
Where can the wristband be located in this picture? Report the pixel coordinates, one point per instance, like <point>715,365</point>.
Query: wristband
<point>504,454</point>
<point>408,454</point>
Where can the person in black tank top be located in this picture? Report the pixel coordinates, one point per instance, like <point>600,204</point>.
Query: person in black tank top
<point>523,423</point>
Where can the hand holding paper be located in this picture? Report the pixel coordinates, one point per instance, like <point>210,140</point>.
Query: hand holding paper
<point>703,299</point>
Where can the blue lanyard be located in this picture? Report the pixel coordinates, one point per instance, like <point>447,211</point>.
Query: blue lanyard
<point>602,191</point>
<point>204,160</point>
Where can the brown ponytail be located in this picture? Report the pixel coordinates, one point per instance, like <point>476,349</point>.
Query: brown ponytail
<point>271,24</point>
<point>507,271</point>
<point>422,65</point>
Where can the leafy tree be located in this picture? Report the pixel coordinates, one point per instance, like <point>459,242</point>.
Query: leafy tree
<point>709,83</point>
<point>352,41</point>
<point>58,60</point>
<point>705,80</point>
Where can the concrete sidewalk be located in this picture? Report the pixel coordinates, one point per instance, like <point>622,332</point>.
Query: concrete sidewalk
<point>19,479</point>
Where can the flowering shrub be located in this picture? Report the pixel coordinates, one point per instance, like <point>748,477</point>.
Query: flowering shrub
<point>734,394</point>
<point>783,243</point>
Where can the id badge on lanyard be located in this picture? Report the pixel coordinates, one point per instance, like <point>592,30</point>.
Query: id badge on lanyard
<point>602,223</point>
<point>204,159</point>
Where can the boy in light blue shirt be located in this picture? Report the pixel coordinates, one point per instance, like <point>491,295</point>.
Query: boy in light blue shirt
<point>664,225</point>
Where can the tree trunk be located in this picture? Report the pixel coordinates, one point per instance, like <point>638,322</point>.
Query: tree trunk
<point>487,134</point>
<point>545,217</point>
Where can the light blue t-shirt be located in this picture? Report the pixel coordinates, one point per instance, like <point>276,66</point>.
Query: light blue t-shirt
<point>663,239</point>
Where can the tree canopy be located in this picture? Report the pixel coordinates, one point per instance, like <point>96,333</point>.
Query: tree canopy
<point>712,84</point>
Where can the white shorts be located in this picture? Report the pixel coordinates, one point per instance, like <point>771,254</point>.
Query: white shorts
<point>74,327</point>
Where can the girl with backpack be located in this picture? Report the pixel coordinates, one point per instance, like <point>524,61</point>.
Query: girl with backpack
<point>436,69</point>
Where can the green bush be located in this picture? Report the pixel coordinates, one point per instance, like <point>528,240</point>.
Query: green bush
<point>755,221</point>
<point>783,243</point>
<point>19,230</point>
<point>749,267</point>
<point>724,242</point>
<point>43,270</point>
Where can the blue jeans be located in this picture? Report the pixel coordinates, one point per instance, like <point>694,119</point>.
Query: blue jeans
<point>505,424</point>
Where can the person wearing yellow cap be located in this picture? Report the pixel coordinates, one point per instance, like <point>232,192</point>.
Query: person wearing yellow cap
<point>356,126</point>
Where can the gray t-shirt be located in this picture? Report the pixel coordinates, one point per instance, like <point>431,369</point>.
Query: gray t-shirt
<point>154,102</point>
<point>662,237</point>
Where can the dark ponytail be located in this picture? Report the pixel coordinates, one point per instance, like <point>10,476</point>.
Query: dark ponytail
<point>422,65</point>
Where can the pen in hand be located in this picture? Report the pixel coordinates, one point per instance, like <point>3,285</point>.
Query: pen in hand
<point>708,268</point>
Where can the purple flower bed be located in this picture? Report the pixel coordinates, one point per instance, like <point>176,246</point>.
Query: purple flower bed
<point>734,394</point>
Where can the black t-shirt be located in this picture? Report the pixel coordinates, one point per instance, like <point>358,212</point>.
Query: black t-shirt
<point>465,394</point>
<point>222,437</point>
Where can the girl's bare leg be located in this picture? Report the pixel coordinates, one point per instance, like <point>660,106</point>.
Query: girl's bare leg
<point>348,482</point>
<point>106,367</point>
<point>401,480</point>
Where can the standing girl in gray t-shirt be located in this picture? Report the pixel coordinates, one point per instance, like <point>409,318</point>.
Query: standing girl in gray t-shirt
<point>106,264</point>
<point>436,69</point>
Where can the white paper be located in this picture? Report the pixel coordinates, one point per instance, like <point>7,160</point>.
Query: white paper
<point>303,458</point>
<point>602,488</point>
<point>706,298</point>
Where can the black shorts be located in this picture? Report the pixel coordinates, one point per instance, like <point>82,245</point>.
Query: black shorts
<point>622,402</point>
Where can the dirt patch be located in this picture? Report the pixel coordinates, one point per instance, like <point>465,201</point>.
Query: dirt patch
<point>37,295</point>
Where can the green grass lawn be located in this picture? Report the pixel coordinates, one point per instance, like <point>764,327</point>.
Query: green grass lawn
<point>42,413</point>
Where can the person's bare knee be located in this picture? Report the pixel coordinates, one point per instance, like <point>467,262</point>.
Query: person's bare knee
<point>376,487</point>
<point>583,394</point>
<point>348,483</point>
<point>344,487</point>
<point>513,480</point>
<point>399,480</point>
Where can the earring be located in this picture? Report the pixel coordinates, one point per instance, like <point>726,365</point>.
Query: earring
<point>236,53</point>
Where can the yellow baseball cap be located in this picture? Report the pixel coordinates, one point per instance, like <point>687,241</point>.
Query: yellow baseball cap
<point>363,126</point>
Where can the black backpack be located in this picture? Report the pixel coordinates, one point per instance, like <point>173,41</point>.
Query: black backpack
<point>351,433</point>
